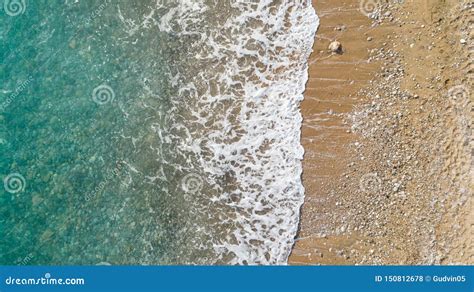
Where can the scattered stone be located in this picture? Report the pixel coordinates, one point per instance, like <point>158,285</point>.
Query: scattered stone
<point>72,44</point>
<point>335,47</point>
<point>36,200</point>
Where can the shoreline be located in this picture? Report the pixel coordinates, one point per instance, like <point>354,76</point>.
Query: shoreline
<point>385,182</point>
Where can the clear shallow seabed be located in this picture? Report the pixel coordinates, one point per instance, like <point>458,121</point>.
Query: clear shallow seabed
<point>151,132</point>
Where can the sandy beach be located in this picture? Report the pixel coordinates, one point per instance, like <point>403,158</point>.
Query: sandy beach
<point>387,134</point>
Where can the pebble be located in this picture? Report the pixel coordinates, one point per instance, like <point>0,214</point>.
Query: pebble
<point>36,200</point>
<point>335,47</point>
<point>72,44</point>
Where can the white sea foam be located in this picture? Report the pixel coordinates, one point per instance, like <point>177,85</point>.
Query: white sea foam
<point>239,93</point>
<point>260,57</point>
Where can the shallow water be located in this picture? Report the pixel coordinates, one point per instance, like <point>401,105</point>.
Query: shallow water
<point>155,132</point>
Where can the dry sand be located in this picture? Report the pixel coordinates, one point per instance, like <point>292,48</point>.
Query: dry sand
<point>387,130</point>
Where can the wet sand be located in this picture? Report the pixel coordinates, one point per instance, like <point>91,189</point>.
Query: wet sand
<point>330,93</point>
<point>375,190</point>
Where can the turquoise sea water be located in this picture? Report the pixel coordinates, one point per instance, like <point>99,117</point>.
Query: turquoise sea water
<point>66,145</point>
<point>126,131</point>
